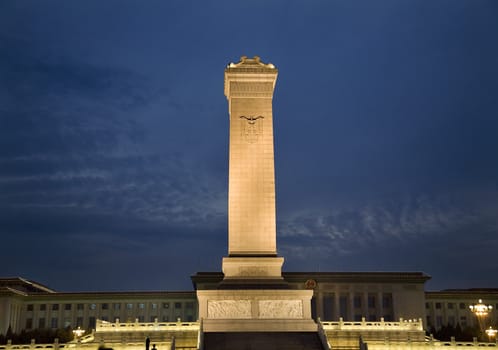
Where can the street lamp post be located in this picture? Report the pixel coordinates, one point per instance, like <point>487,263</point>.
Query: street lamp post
<point>481,311</point>
<point>78,332</point>
<point>491,333</point>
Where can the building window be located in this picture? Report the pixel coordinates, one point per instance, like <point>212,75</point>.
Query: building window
<point>117,306</point>
<point>41,322</point>
<point>165,305</point>
<point>343,306</point>
<point>67,322</point>
<point>190,318</point>
<point>80,306</point>
<point>427,305</point>
<point>105,318</point>
<point>43,307</point>
<point>357,303</point>
<point>178,305</point>
<point>165,318</point>
<point>388,318</point>
<point>429,322</point>
<point>371,301</point>
<point>91,322</point>
<point>141,306</point>
<point>462,306</point>
<point>30,307</point>
<point>450,305</point>
<point>328,306</point>
<point>93,306</point>
<point>439,322</point>
<point>53,322</point>
<point>357,317</point>
<point>438,305</point>
<point>189,305</point>
<point>153,318</point>
<point>55,306</point>
<point>141,318</point>
<point>67,306</point>
<point>29,323</point>
<point>79,321</point>
<point>129,306</point>
<point>451,321</point>
<point>387,300</point>
<point>154,306</point>
<point>105,306</point>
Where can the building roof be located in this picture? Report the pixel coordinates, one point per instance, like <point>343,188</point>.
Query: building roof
<point>210,279</point>
<point>23,285</point>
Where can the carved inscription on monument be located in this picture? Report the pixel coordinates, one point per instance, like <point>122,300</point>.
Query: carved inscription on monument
<point>253,271</point>
<point>252,128</point>
<point>280,309</point>
<point>229,309</point>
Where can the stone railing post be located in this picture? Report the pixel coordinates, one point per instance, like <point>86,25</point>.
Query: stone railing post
<point>200,338</point>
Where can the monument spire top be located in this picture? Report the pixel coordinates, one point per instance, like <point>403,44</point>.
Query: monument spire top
<point>246,62</point>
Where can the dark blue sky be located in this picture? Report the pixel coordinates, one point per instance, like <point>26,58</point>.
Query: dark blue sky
<point>114,137</point>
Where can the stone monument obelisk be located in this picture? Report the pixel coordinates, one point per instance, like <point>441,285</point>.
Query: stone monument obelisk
<point>252,243</point>
<point>252,295</point>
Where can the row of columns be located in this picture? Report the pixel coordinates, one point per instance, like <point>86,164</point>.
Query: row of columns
<point>351,310</point>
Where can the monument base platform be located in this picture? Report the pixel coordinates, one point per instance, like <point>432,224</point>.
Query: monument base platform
<point>250,267</point>
<point>256,310</point>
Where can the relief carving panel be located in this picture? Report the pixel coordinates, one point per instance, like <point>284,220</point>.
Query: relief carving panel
<point>229,309</point>
<point>280,309</point>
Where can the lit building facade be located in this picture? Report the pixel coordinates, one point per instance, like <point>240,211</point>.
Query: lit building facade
<point>26,305</point>
<point>452,307</point>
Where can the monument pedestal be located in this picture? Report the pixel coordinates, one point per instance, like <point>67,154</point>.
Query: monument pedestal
<point>257,268</point>
<point>264,310</point>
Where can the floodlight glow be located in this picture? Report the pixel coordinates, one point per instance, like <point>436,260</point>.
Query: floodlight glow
<point>491,332</point>
<point>78,332</point>
<point>480,309</point>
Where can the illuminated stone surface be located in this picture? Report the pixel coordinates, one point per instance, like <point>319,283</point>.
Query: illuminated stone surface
<point>249,87</point>
<point>229,308</point>
<point>248,298</point>
<point>252,248</point>
<point>280,309</point>
<point>259,310</point>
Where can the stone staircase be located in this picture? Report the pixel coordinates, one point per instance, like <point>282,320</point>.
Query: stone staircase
<point>262,341</point>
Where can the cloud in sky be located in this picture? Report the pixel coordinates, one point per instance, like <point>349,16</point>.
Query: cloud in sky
<point>399,233</point>
<point>114,133</point>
